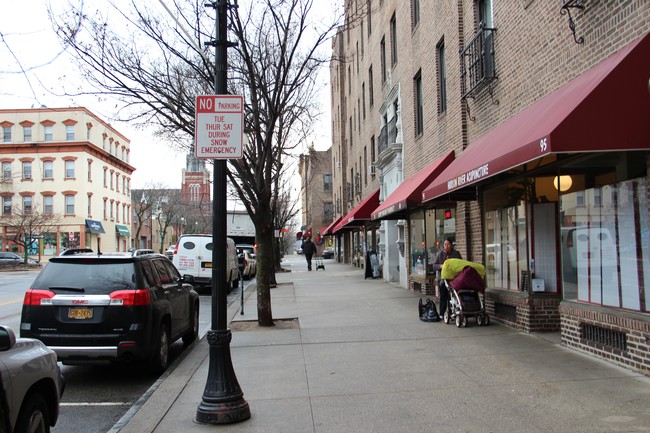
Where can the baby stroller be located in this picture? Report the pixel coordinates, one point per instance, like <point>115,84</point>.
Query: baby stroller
<point>465,281</point>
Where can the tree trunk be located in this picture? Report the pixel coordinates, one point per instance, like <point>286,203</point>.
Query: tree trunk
<point>265,276</point>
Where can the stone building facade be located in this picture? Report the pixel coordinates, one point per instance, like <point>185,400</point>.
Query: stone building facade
<point>470,118</point>
<point>317,210</point>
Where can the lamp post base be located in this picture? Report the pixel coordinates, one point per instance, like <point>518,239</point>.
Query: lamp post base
<point>223,400</point>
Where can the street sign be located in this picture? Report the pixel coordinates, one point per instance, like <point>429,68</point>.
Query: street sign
<point>219,128</point>
<point>35,236</point>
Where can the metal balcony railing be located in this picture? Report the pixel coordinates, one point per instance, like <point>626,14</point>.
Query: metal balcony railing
<point>388,135</point>
<point>478,68</point>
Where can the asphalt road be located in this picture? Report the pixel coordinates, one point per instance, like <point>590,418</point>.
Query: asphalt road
<point>95,397</point>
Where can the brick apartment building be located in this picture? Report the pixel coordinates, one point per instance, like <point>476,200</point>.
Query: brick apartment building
<point>519,129</point>
<point>315,169</point>
<point>68,164</point>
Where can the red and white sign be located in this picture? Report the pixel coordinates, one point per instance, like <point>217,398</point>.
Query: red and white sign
<point>218,127</point>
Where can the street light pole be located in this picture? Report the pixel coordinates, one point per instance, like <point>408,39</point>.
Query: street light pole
<point>223,400</point>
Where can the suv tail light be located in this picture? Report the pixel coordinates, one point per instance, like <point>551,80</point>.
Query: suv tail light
<point>38,297</point>
<point>245,262</point>
<point>131,298</point>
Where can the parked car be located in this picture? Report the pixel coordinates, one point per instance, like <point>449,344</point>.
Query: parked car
<point>169,252</point>
<point>194,257</point>
<point>247,260</point>
<point>328,253</point>
<point>31,384</point>
<point>7,258</point>
<point>111,307</point>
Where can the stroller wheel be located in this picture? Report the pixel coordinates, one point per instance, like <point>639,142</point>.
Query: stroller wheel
<point>445,317</point>
<point>461,320</point>
<point>487,320</point>
<point>480,320</point>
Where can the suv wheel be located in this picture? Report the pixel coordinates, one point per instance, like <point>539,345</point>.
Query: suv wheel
<point>193,333</point>
<point>33,416</point>
<point>160,355</point>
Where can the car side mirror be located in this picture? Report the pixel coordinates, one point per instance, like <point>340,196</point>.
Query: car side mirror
<point>7,338</point>
<point>187,278</point>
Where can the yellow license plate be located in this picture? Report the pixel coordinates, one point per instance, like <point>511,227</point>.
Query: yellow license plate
<point>207,265</point>
<point>80,313</point>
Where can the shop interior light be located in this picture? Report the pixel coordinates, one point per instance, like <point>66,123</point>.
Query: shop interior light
<point>562,183</point>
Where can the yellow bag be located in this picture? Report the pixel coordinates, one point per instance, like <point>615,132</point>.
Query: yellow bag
<point>452,267</point>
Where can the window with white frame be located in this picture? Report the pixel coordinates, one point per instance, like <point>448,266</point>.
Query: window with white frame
<point>48,205</point>
<point>27,134</point>
<point>27,204</point>
<point>69,169</point>
<point>48,169</point>
<point>69,204</point>
<point>6,205</point>
<point>6,170</point>
<point>27,169</point>
<point>69,132</point>
<point>48,132</point>
<point>6,134</point>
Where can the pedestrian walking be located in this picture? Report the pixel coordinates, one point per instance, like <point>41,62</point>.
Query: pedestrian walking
<point>308,249</point>
<point>448,252</point>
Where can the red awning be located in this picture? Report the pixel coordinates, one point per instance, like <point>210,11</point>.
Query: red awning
<point>604,109</point>
<point>409,193</point>
<point>361,213</point>
<point>327,231</point>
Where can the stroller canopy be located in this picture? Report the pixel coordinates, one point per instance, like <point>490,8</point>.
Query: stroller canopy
<point>464,275</point>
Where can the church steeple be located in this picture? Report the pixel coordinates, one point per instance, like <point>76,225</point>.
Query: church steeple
<point>195,187</point>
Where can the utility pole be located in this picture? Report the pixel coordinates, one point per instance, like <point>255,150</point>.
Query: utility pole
<point>223,400</point>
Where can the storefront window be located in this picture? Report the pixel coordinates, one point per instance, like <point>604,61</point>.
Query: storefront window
<point>506,237</point>
<point>49,244</point>
<point>605,238</point>
<point>417,243</point>
<point>69,240</point>
<point>428,231</point>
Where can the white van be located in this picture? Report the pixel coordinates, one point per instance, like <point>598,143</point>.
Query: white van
<point>193,256</point>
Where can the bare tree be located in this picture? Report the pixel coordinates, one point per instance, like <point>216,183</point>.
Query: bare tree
<point>156,67</point>
<point>25,226</point>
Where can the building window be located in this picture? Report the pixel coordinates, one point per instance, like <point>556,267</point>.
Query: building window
<point>27,134</point>
<point>382,53</point>
<point>69,204</point>
<point>69,169</point>
<point>48,204</point>
<point>111,180</point>
<point>48,133</point>
<point>6,206</point>
<point>90,171</point>
<point>6,134</point>
<point>393,40</point>
<point>117,182</point>
<point>105,177</point>
<point>372,149</point>
<point>363,99</point>
<point>105,210</point>
<point>327,182</point>
<point>69,132</point>
<point>27,169</point>
<point>369,15</point>
<point>110,207</point>
<point>27,204</point>
<point>90,206</point>
<point>415,13</point>
<point>6,170</point>
<point>370,87</point>
<point>48,169</point>
<point>328,211</point>
<point>442,77</point>
<point>419,111</point>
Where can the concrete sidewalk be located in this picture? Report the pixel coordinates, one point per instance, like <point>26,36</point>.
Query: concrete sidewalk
<point>359,360</point>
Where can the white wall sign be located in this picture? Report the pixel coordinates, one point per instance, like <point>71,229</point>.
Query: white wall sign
<point>218,127</point>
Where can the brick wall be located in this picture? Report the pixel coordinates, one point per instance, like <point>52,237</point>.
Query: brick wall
<point>519,311</point>
<point>634,327</point>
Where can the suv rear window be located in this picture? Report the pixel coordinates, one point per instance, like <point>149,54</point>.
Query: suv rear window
<point>95,278</point>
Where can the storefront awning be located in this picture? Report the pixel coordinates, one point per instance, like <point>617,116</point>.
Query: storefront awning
<point>409,193</point>
<point>327,231</point>
<point>95,226</point>
<point>604,109</point>
<point>122,230</point>
<point>361,213</point>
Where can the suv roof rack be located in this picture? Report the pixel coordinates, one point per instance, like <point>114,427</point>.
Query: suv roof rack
<point>141,251</point>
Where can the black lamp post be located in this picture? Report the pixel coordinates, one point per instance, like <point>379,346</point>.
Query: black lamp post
<point>223,400</point>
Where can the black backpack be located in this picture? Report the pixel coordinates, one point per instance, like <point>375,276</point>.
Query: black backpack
<point>428,311</point>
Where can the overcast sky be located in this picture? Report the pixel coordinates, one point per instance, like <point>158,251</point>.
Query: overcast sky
<point>34,64</point>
